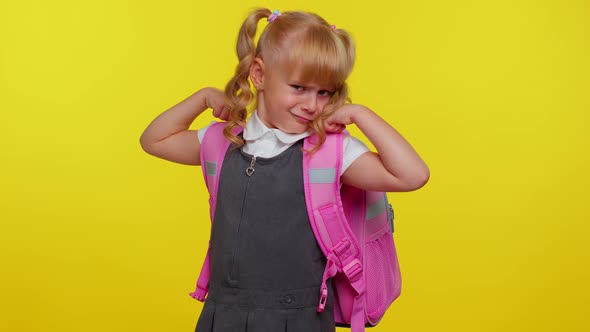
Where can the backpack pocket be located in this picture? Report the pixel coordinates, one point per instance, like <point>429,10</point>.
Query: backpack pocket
<point>382,273</point>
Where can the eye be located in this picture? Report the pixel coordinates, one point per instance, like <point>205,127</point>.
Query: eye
<point>325,93</point>
<point>297,87</point>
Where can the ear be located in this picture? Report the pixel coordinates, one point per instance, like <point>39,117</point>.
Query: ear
<point>257,73</point>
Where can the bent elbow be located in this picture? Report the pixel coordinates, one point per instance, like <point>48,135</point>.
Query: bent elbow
<point>417,182</point>
<point>421,180</point>
<point>145,146</point>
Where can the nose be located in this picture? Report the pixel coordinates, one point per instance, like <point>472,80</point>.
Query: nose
<point>311,104</point>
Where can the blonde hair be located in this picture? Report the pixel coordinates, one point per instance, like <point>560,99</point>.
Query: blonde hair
<point>295,40</point>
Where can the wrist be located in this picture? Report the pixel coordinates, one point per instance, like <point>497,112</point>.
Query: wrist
<point>204,97</point>
<point>358,113</point>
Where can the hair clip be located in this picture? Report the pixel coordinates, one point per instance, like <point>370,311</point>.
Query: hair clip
<point>274,15</point>
<point>333,26</point>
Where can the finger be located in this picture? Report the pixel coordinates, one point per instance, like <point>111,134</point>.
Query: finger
<point>339,129</point>
<point>333,127</point>
<point>224,115</point>
<point>218,111</point>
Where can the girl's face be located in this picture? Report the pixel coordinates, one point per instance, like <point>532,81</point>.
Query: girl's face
<point>289,104</point>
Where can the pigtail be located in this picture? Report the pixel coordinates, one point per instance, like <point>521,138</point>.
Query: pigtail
<point>349,47</point>
<point>238,94</point>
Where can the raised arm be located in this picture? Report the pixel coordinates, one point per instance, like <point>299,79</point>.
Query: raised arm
<point>168,136</point>
<point>395,167</point>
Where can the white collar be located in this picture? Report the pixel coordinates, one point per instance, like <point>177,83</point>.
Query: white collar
<point>255,129</point>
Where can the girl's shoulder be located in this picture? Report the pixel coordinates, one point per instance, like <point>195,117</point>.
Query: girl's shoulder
<point>353,148</point>
<point>201,132</point>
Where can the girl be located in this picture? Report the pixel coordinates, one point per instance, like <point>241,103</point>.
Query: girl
<point>266,266</point>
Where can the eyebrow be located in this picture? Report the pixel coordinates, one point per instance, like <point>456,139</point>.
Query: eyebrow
<point>308,85</point>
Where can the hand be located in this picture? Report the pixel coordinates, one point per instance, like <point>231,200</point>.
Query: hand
<point>215,99</point>
<point>338,121</point>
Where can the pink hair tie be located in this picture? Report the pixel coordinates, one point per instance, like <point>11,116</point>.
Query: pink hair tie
<point>274,15</point>
<point>333,26</point>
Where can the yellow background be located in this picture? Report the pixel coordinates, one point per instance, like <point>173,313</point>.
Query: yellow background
<point>97,235</point>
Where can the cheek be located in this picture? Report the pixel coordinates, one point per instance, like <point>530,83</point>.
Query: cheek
<point>276,103</point>
<point>291,101</point>
<point>324,103</point>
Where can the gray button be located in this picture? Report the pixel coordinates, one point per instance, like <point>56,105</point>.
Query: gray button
<point>288,299</point>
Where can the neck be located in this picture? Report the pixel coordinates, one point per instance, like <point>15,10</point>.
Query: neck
<point>262,111</point>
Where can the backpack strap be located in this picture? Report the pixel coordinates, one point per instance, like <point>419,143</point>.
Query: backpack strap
<point>213,150</point>
<point>321,175</point>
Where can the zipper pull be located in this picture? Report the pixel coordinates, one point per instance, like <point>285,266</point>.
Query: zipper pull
<point>250,169</point>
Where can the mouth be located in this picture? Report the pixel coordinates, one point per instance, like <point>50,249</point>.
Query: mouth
<point>301,119</point>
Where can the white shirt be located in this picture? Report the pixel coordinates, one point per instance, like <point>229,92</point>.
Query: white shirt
<point>265,142</point>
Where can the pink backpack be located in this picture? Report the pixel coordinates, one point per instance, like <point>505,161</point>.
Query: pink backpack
<point>353,227</point>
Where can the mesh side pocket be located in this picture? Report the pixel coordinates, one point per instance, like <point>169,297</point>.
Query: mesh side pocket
<point>382,275</point>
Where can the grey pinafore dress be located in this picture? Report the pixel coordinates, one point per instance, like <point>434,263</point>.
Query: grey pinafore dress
<point>266,265</point>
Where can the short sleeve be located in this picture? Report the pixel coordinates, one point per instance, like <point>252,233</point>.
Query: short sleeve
<point>201,132</point>
<point>353,148</point>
